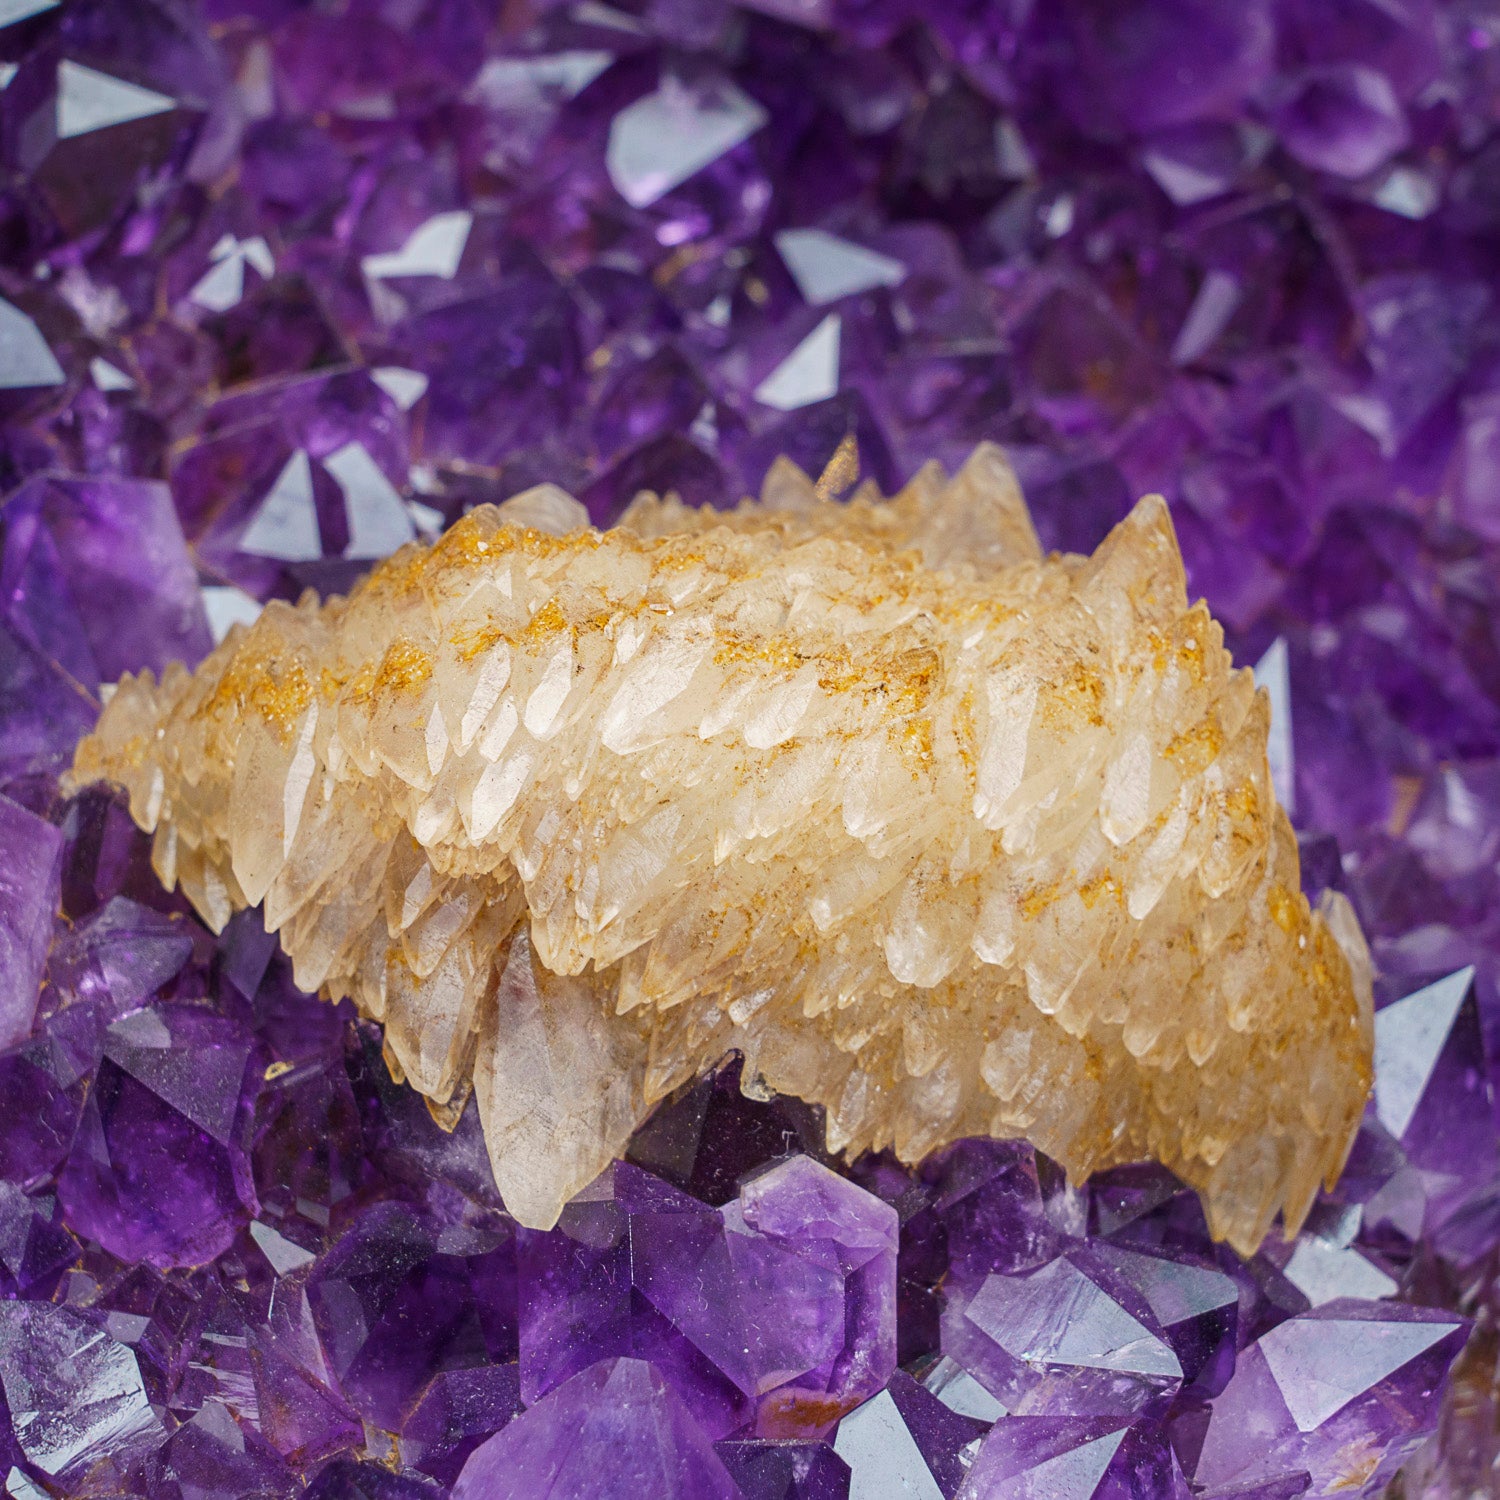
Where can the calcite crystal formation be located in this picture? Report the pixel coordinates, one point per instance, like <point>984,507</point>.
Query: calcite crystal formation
<point>946,836</point>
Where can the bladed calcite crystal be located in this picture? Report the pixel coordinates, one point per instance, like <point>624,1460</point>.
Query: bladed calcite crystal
<point>946,836</point>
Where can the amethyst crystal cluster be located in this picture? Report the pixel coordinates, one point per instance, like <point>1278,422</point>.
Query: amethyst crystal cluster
<point>284,284</point>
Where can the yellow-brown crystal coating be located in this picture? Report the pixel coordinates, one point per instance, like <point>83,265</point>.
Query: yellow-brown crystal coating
<point>945,836</point>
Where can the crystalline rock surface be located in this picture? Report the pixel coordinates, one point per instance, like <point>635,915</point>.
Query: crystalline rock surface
<point>946,836</point>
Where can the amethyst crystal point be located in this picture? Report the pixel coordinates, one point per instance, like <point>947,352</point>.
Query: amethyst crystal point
<point>393,1309</point>
<point>26,360</point>
<point>1071,1338</point>
<point>75,1394</point>
<point>616,1429</point>
<point>634,1267</point>
<point>1343,1392</point>
<point>158,1169</point>
<point>214,1456</point>
<point>121,955</point>
<point>778,1309</point>
<point>457,1412</point>
<point>781,1469</point>
<point>1433,1092</point>
<point>814,1259</point>
<point>106,855</point>
<point>947,1439</point>
<point>95,576</point>
<point>35,1249</point>
<point>297,1414</point>
<point>1074,1458</point>
<point>907,1436</point>
<point>30,881</point>
<point>710,1137</point>
<point>94,139</point>
<point>1196,1308</point>
<point>1345,120</point>
<point>988,1197</point>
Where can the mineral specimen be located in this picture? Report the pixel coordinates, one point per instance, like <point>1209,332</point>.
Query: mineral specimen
<point>948,837</point>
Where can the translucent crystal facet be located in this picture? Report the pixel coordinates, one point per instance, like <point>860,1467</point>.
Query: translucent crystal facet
<point>943,835</point>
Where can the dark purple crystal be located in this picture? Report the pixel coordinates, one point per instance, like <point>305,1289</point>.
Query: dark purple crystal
<point>282,288</point>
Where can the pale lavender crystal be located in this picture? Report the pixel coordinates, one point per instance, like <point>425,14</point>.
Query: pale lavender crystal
<point>75,1394</point>
<point>30,877</point>
<point>1070,1338</point>
<point>1195,1306</point>
<point>25,357</point>
<point>615,1430</point>
<point>1074,1458</point>
<point>814,1262</point>
<point>908,1438</point>
<point>1342,1392</point>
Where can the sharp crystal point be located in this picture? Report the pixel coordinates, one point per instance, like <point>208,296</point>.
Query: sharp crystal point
<point>12,11</point>
<point>1409,1035</point>
<point>882,1454</point>
<point>285,524</point>
<point>88,100</point>
<point>1273,674</point>
<point>668,136</point>
<point>809,373</point>
<point>827,268</point>
<point>434,248</point>
<point>26,360</point>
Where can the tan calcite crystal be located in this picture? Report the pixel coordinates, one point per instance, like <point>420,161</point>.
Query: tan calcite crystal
<point>948,837</point>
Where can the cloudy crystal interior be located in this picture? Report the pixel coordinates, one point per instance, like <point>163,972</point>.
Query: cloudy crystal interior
<point>284,287</point>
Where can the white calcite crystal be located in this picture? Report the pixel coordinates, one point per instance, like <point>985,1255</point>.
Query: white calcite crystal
<point>943,835</point>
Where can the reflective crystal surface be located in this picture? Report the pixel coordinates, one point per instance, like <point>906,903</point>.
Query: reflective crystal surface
<point>284,286</point>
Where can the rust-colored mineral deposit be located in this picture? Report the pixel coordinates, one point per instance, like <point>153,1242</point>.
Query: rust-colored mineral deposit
<point>944,835</point>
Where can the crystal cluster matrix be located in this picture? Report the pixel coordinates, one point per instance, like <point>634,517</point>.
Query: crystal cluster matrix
<point>946,836</point>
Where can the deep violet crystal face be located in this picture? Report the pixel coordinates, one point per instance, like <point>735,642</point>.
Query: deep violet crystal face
<point>284,288</point>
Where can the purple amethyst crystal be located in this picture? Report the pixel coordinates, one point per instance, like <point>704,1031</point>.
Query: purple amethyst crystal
<point>614,1429</point>
<point>75,1394</point>
<point>158,1169</point>
<point>400,1299</point>
<point>1074,1337</point>
<point>96,578</point>
<point>29,889</point>
<point>777,1310</point>
<point>283,287</point>
<point>458,1411</point>
<point>1344,120</point>
<point>1092,1458</point>
<point>1339,1392</point>
<point>785,1469</point>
